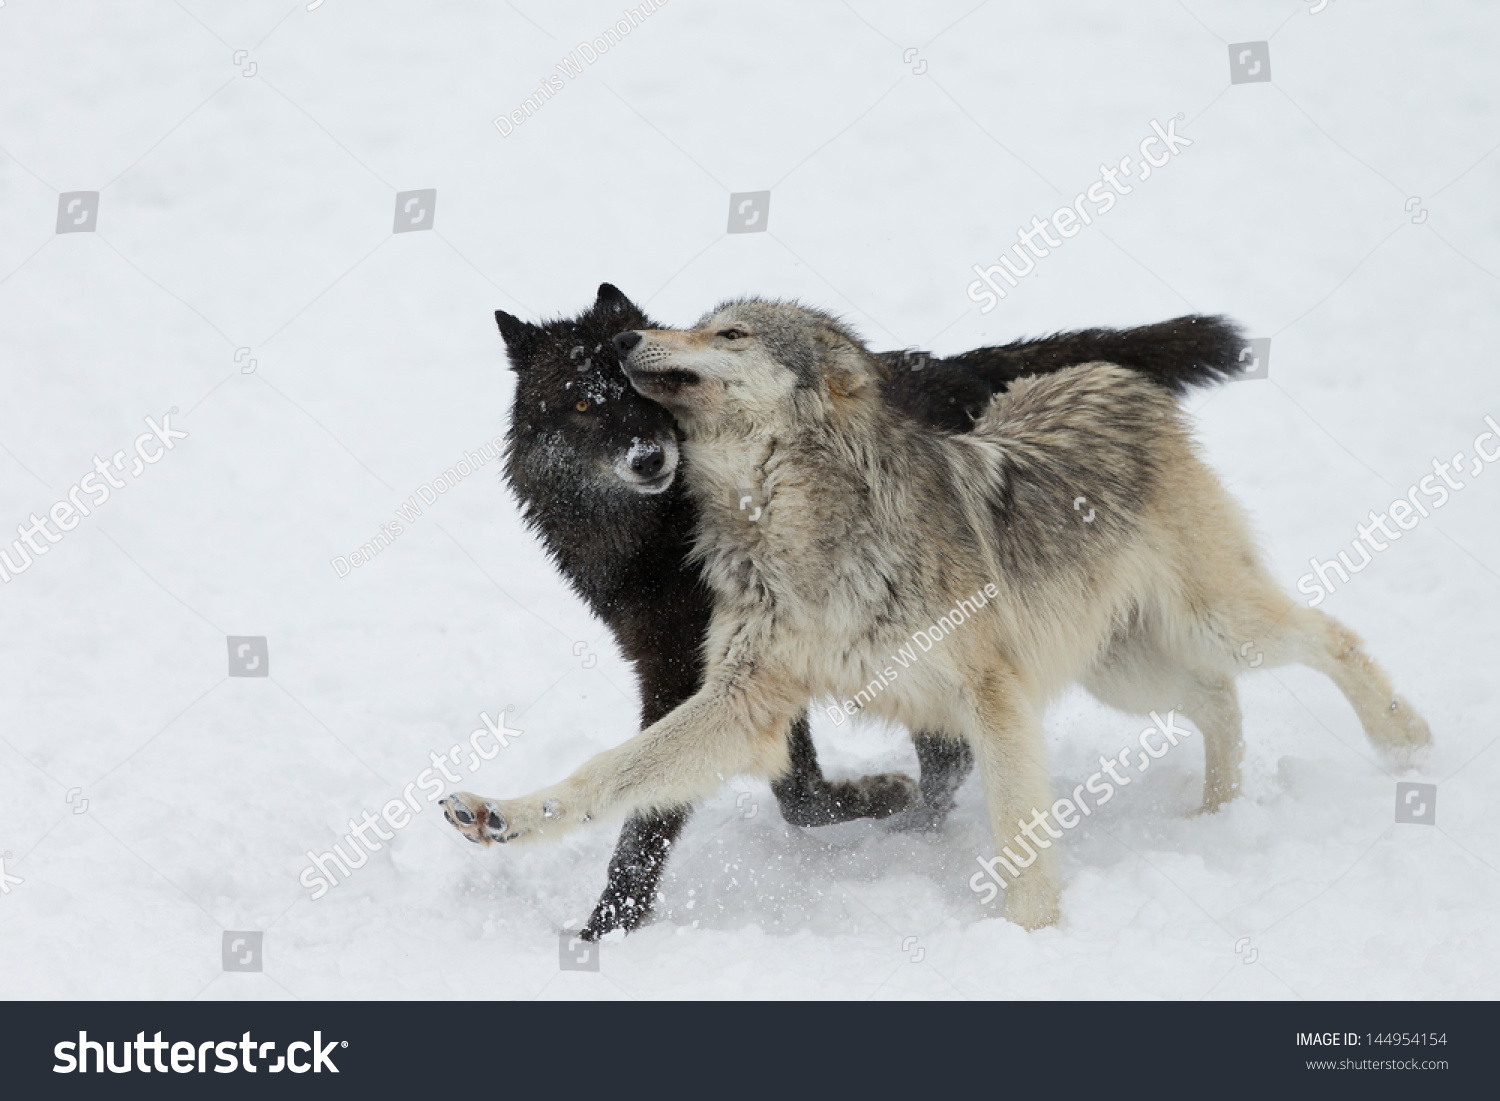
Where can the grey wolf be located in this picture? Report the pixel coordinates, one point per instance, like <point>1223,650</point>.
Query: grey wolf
<point>872,520</point>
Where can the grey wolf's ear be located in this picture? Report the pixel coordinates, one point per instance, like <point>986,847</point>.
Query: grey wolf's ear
<point>847,369</point>
<point>515,331</point>
<point>612,298</point>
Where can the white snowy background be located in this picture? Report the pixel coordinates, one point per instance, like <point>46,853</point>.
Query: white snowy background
<point>149,802</point>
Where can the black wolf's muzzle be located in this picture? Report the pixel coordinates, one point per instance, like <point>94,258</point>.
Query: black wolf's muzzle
<point>648,465</point>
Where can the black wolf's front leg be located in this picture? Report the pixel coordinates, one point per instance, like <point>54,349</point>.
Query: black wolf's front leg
<point>807,799</point>
<point>946,764</point>
<point>634,873</point>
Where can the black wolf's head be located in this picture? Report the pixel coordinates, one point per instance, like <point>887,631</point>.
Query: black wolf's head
<point>575,418</point>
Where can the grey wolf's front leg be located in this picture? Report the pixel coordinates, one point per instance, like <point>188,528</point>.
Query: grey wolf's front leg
<point>672,763</point>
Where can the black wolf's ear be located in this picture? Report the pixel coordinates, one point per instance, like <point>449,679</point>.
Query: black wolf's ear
<point>516,332</point>
<point>612,298</point>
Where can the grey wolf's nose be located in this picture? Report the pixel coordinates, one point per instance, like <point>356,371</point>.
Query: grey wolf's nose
<point>626,341</point>
<point>648,461</point>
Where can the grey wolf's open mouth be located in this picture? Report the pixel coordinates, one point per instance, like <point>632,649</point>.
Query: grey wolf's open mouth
<point>667,382</point>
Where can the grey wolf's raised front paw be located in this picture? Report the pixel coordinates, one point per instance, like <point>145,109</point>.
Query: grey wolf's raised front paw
<point>524,819</point>
<point>477,819</point>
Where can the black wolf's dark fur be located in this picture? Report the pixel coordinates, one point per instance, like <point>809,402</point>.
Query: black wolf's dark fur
<point>1178,354</point>
<point>625,551</point>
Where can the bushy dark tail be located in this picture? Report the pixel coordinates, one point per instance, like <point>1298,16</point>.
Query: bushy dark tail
<point>951,392</point>
<point>1178,354</point>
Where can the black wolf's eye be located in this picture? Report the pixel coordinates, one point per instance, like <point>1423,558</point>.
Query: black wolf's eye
<point>733,334</point>
<point>582,407</point>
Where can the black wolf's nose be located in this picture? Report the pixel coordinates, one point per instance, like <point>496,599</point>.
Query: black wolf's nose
<point>647,461</point>
<point>626,341</point>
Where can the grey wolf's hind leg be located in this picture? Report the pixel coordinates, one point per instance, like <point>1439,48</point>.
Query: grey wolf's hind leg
<point>1214,706</point>
<point>1318,640</point>
<point>809,800</point>
<point>634,872</point>
<point>946,764</point>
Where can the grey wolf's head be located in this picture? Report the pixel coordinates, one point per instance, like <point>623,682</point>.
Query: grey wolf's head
<point>573,414</point>
<point>749,361</point>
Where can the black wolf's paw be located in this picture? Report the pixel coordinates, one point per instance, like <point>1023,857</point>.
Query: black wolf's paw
<point>477,819</point>
<point>878,796</point>
<point>884,794</point>
<point>615,913</point>
<point>922,818</point>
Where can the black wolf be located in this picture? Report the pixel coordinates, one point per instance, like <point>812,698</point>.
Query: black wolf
<point>595,467</point>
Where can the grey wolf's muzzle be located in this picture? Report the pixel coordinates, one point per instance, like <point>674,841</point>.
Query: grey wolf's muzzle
<point>651,381</point>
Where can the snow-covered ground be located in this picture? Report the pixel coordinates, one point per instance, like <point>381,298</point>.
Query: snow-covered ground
<point>242,270</point>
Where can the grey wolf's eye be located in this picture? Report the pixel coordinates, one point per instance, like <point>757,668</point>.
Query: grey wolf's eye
<point>733,334</point>
<point>582,407</point>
